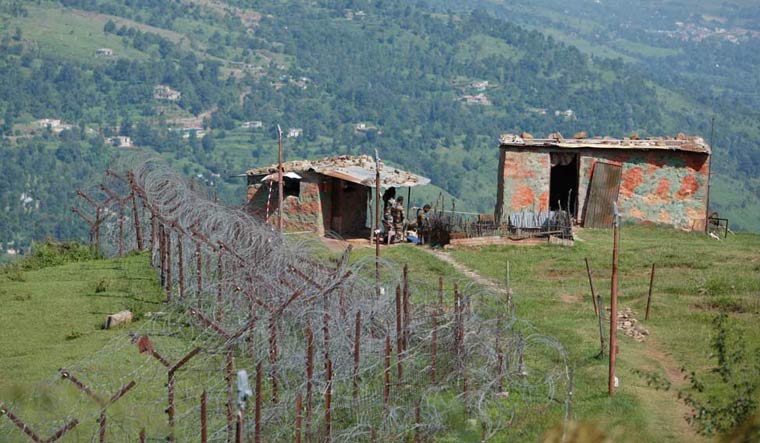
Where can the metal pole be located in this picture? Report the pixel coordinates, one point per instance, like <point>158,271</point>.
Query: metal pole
<point>136,215</point>
<point>273,358</point>
<point>121,229</point>
<point>239,428</point>
<point>613,303</point>
<point>168,251</point>
<point>357,338</point>
<point>509,289</point>
<point>230,399</point>
<point>434,346</point>
<point>199,266</point>
<point>709,175</point>
<point>328,401</point>
<point>399,335</point>
<point>181,265</point>
<point>309,377</point>
<point>279,176</point>
<point>219,272</point>
<point>299,400</point>
<point>387,372</point>
<point>591,283</point>
<point>377,224</point>
<point>405,300</point>
<point>649,298</point>
<point>601,324</point>
<point>204,417</point>
<point>257,408</point>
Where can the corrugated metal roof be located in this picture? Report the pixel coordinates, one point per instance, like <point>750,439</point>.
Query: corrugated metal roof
<point>356,169</point>
<point>679,143</point>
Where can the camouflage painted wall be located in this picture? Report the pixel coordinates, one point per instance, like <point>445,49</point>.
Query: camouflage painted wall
<point>666,187</point>
<point>524,181</point>
<point>302,213</point>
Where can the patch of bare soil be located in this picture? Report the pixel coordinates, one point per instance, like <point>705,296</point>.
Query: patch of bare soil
<point>675,376</point>
<point>469,273</point>
<point>570,298</point>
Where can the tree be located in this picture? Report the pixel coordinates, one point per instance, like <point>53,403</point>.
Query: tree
<point>109,27</point>
<point>208,143</point>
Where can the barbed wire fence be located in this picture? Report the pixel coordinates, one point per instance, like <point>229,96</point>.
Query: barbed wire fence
<point>328,360</point>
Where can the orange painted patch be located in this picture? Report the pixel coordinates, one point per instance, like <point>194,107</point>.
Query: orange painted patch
<point>632,178</point>
<point>664,217</point>
<point>635,213</point>
<point>663,189</point>
<point>689,187</point>
<point>543,201</point>
<point>523,198</point>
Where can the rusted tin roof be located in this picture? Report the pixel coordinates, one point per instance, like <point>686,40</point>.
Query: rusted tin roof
<point>679,143</point>
<point>356,169</point>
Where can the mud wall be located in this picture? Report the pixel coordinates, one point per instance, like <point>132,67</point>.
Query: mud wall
<point>657,186</point>
<point>302,213</point>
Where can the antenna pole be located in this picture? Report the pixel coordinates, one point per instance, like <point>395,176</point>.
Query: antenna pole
<point>709,175</point>
<point>279,176</point>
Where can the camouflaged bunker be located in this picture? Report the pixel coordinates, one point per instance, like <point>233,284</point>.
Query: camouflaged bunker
<point>331,195</point>
<point>657,180</point>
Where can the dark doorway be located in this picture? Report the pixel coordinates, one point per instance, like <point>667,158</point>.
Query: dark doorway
<point>563,189</point>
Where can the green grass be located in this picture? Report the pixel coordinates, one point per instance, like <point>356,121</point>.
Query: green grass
<point>57,314</point>
<point>695,276</point>
<point>71,33</point>
<point>54,316</point>
<point>479,47</point>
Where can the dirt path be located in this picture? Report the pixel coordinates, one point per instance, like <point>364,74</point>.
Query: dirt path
<point>469,273</point>
<point>673,372</point>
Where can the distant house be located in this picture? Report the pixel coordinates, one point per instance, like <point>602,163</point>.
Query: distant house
<point>255,124</point>
<point>163,92</point>
<point>105,52</point>
<point>49,123</point>
<point>479,85</point>
<point>55,125</point>
<point>541,111</point>
<point>120,141</point>
<point>658,180</point>
<point>295,132</point>
<point>185,132</point>
<point>569,114</point>
<point>199,132</point>
<point>302,82</point>
<point>363,127</point>
<point>480,99</point>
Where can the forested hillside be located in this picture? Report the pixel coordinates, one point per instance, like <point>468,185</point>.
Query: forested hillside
<point>701,56</point>
<point>433,90</point>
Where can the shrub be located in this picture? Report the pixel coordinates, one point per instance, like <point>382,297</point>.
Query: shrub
<point>102,286</point>
<point>51,253</point>
<point>723,397</point>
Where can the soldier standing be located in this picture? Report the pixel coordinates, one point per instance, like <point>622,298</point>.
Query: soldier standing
<point>398,219</point>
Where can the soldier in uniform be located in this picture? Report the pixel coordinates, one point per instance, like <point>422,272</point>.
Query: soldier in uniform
<point>423,224</point>
<point>388,223</point>
<point>398,219</point>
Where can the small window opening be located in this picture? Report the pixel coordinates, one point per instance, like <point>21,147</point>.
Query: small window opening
<point>291,187</point>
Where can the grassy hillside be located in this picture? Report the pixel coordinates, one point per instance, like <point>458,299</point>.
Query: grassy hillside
<point>52,317</point>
